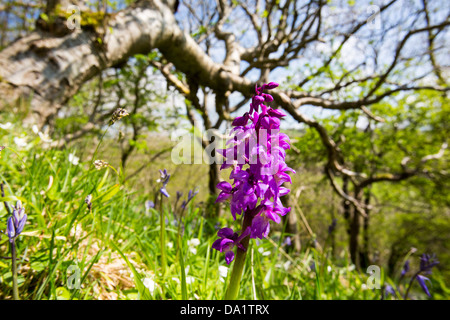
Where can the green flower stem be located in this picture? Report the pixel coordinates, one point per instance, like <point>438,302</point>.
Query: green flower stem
<point>14,271</point>
<point>98,146</point>
<point>410,285</point>
<point>163,238</point>
<point>239,263</point>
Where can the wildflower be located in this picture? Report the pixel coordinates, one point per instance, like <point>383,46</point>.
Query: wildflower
<point>73,159</point>
<point>189,279</point>
<point>332,226</point>
<point>45,137</point>
<point>164,180</point>
<point>227,240</point>
<point>88,200</point>
<point>76,231</point>
<point>176,279</point>
<point>389,291</point>
<point>192,243</point>
<point>264,253</point>
<point>223,272</point>
<point>191,196</point>
<point>427,262</point>
<point>117,115</point>
<point>421,279</point>
<point>100,164</point>
<point>405,268</point>
<point>256,153</point>
<point>148,205</point>
<point>6,126</point>
<point>20,142</point>
<point>149,284</point>
<point>16,222</point>
<point>287,241</point>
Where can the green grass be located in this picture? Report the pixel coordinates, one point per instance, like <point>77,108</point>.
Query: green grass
<point>114,249</point>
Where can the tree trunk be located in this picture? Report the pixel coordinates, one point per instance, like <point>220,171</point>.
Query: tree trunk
<point>332,235</point>
<point>346,208</point>
<point>365,252</point>
<point>291,225</point>
<point>349,216</point>
<point>353,239</point>
<point>213,209</point>
<point>354,231</point>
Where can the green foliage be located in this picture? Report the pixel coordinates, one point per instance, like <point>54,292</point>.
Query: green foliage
<point>116,245</point>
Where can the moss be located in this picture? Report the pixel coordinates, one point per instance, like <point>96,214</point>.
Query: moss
<point>88,18</point>
<point>93,18</point>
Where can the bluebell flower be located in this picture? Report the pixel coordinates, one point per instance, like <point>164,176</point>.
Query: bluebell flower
<point>332,226</point>
<point>389,291</point>
<point>191,196</point>
<point>16,222</point>
<point>405,268</point>
<point>164,180</point>
<point>149,204</point>
<point>427,262</point>
<point>421,279</point>
<point>287,241</point>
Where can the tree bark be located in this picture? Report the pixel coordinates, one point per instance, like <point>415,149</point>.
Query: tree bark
<point>214,209</point>
<point>365,251</point>
<point>291,225</point>
<point>354,231</point>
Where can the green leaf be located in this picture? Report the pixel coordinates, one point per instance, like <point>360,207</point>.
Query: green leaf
<point>45,17</point>
<point>111,192</point>
<point>143,291</point>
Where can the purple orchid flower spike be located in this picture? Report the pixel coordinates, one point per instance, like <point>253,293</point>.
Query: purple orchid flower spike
<point>256,153</point>
<point>241,121</point>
